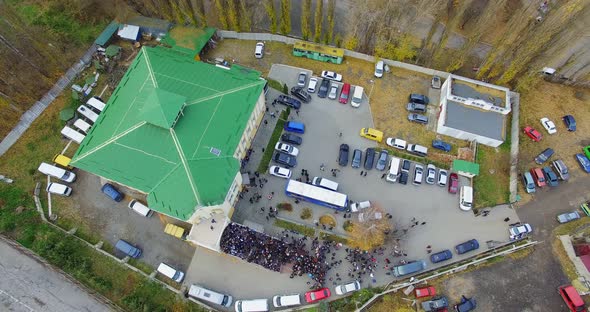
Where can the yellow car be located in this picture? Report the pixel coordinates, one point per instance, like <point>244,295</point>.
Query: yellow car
<point>372,134</point>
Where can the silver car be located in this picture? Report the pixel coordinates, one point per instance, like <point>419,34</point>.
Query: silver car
<point>568,216</point>
<point>382,161</point>
<point>561,169</point>
<point>333,92</point>
<point>357,155</point>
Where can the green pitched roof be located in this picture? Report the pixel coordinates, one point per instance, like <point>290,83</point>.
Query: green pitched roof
<point>465,166</point>
<point>170,130</point>
<point>107,33</point>
<point>189,40</point>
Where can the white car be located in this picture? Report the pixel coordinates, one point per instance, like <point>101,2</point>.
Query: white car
<point>313,83</point>
<point>379,66</point>
<point>259,51</point>
<point>521,229</point>
<point>397,143</point>
<point>348,288</point>
<point>286,148</point>
<point>280,172</point>
<point>548,125</point>
<point>331,75</point>
<point>443,177</point>
<point>333,92</point>
<point>431,174</point>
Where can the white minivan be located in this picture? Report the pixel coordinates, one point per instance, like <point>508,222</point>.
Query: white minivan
<point>393,169</point>
<point>56,172</point>
<point>286,301</point>
<point>259,51</point>
<point>170,272</point>
<point>140,208</point>
<point>205,294</point>
<point>357,96</point>
<point>59,189</point>
<point>72,134</point>
<point>325,183</point>
<point>466,198</point>
<point>253,305</point>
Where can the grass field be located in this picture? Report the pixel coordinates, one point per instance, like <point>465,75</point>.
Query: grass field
<point>492,184</point>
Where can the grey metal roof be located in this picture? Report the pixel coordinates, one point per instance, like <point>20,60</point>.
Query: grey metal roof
<point>466,91</point>
<point>473,120</point>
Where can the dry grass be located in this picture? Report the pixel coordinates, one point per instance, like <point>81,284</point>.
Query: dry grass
<point>185,37</point>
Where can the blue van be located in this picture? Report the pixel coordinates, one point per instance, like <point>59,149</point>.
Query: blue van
<point>294,126</point>
<point>112,192</point>
<point>128,249</point>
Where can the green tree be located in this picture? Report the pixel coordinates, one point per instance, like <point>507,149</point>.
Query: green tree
<point>318,20</point>
<point>221,14</point>
<point>245,17</point>
<point>330,33</point>
<point>232,15</point>
<point>285,27</point>
<point>269,6</point>
<point>305,18</point>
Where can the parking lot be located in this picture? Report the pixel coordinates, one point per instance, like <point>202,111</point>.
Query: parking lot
<point>114,220</point>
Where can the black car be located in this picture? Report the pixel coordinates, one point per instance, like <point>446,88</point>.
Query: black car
<point>343,155</point>
<point>369,158</point>
<point>291,138</point>
<point>288,101</point>
<point>546,154</point>
<point>415,107</point>
<point>467,246</point>
<point>419,98</point>
<point>301,94</point>
<point>466,304</point>
<point>403,178</point>
<point>357,156</point>
<point>418,118</point>
<point>285,159</point>
<point>441,256</point>
<point>406,164</point>
<point>382,161</point>
<point>323,92</point>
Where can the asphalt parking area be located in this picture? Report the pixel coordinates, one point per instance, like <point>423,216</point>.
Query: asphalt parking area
<point>114,220</point>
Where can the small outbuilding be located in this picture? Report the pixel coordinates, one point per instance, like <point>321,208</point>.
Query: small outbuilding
<point>129,32</point>
<point>465,168</point>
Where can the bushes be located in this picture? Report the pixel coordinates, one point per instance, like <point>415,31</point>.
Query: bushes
<point>285,207</point>
<point>327,220</point>
<point>333,238</point>
<point>277,85</point>
<point>306,213</point>
<point>347,226</point>
<point>301,229</point>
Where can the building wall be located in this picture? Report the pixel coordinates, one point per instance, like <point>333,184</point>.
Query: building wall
<point>467,136</point>
<point>251,127</point>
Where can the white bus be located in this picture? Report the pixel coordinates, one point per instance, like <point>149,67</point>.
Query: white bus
<point>316,195</point>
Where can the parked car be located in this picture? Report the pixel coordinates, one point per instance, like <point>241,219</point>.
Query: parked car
<point>285,159</point>
<point>441,256</point>
<point>443,177</point>
<point>550,176</point>
<point>343,155</point>
<point>347,288</point>
<point>538,176</point>
<point>435,83</point>
<point>529,183</point>
<point>313,83</point>
<point>302,79</point>
<point>415,107</point>
<point>467,246</point>
<point>561,169</point>
<point>317,295</point>
<point>572,298</point>
<point>109,190</point>
<point>403,177</point>
<point>259,50</point>
<point>436,304</point>
<point>344,93</point>
<point>418,118</point>
<point>280,172</point>
<point>584,162</point>
<point>369,158</point>
<point>586,150</point>
<point>441,145</point>
<point>418,174</point>
<point>466,305</point>
<point>288,101</point>
<point>382,160</point>
<point>430,174</point>
<point>533,134</point>
<point>291,138</point>
<point>418,98</point>
<point>454,183</point>
<point>544,156</point>
<point>301,94</point>
<point>333,92</point>
<point>396,143</point>
<point>357,156</point>
<point>324,86</point>
<point>331,75</point>
<point>548,125</point>
<point>568,216</point>
<point>379,66</point>
<point>286,148</point>
<point>570,122</point>
<point>406,164</point>
<point>425,292</point>
<point>522,229</point>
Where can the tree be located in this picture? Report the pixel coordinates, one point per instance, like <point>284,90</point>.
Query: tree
<point>318,20</point>
<point>269,6</point>
<point>305,18</point>
<point>232,15</point>
<point>368,231</point>
<point>245,17</point>
<point>285,17</point>
<point>330,33</point>
<point>220,14</point>
<point>402,50</point>
<point>200,12</point>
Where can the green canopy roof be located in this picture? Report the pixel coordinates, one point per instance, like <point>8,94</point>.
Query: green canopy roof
<point>107,33</point>
<point>465,166</point>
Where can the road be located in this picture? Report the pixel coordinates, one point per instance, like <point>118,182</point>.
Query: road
<point>29,285</point>
<point>530,283</point>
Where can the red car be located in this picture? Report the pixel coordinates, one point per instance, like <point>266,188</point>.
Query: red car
<point>425,292</point>
<point>533,134</point>
<point>571,298</point>
<point>344,94</point>
<point>317,295</point>
<point>453,183</point>
<point>538,176</point>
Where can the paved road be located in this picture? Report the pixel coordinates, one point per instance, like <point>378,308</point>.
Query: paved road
<point>527,284</point>
<point>28,285</point>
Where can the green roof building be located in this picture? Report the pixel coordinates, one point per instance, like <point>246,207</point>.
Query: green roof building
<point>176,130</point>
<point>465,168</point>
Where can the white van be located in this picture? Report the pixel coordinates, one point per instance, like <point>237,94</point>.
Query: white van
<point>254,305</point>
<point>356,207</point>
<point>96,103</point>
<point>286,301</point>
<point>140,208</point>
<point>259,51</point>
<point>325,183</point>
<point>357,96</point>
<point>170,272</point>
<point>204,294</point>
<point>393,169</point>
<point>82,125</point>
<point>56,172</point>
<point>87,112</point>
<point>417,150</point>
<point>379,66</point>
<point>59,189</point>
<point>72,134</point>
<point>466,198</point>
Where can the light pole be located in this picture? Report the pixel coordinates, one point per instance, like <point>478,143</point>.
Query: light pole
<point>372,82</point>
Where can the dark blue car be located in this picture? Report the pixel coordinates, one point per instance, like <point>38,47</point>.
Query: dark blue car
<point>441,145</point>
<point>584,162</point>
<point>466,305</point>
<point>570,122</point>
<point>550,176</point>
<point>109,190</point>
<point>441,256</point>
<point>467,246</point>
